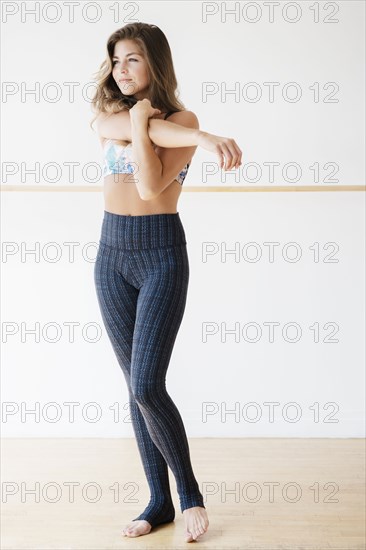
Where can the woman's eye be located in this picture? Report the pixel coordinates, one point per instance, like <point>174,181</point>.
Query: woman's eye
<point>130,59</point>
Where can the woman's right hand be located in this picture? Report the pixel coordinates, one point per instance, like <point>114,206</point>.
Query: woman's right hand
<point>225,149</point>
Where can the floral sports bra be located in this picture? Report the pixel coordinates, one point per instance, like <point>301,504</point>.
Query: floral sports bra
<point>117,159</point>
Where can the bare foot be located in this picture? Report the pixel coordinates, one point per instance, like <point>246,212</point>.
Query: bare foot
<point>137,528</point>
<point>196,522</point>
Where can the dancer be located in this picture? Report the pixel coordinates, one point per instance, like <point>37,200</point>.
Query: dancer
<point>142,269</point>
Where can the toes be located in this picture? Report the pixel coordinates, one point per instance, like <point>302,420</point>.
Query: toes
<point>128,531</point>
<point>198,532</point>
<point>189,537</point>
<point>136,529</point>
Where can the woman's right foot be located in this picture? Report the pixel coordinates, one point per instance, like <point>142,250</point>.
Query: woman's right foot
<point>137,528</point>
<point>158,515</point>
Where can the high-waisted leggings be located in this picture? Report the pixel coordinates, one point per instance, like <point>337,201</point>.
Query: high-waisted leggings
<point>141,276</point>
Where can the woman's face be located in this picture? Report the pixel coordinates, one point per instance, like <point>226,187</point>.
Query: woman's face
<point>130,65</point>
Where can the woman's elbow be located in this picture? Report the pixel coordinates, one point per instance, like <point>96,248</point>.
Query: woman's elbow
<point>148,193</point>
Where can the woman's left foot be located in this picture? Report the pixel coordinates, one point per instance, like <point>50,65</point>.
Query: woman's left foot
<point>196,521</point>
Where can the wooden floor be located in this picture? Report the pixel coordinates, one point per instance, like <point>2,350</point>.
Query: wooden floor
<point>262,494</point>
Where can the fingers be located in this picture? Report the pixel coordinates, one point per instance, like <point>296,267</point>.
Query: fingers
<point>239,152</point>
<point>228,157</point>
<point>233,155</point>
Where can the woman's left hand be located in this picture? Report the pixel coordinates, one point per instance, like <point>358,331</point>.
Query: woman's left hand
<point>143,109</point>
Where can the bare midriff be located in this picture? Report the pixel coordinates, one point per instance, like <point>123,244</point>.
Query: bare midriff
<point>121,197</point>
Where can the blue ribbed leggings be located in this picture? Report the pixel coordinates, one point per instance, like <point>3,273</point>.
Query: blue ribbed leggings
<point>141,277</point>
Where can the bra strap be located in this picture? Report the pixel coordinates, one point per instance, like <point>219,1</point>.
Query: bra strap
<point>170,113</point>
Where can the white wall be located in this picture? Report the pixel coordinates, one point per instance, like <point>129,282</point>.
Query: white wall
<point>324,133</point>
<point>204,373</point>
<point>324,288</point>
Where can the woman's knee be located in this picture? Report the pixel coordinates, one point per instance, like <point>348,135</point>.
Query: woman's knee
<point>146,393</point>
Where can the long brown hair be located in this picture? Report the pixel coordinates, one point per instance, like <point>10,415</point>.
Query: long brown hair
<point>163,85</point>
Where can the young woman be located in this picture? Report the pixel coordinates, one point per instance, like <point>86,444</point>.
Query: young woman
<point>142,270</point>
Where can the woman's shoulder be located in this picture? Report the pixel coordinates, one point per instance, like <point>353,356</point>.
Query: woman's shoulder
<point>185,118</point>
